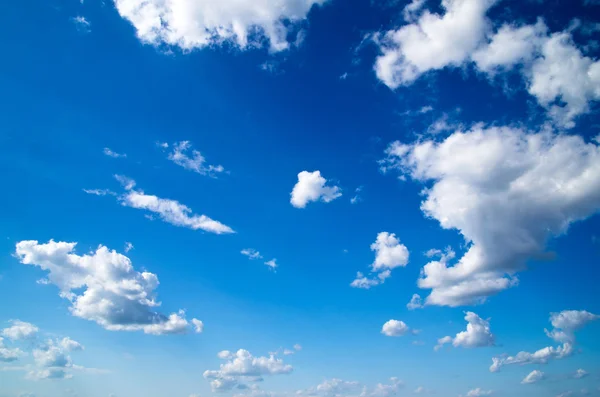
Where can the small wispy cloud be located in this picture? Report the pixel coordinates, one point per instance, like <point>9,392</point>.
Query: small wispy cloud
<point>108,152</point>
<point>82,24</point>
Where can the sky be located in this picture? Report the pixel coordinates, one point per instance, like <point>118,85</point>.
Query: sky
<point>310,198</point>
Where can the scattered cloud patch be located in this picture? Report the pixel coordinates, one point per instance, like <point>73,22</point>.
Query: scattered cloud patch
<point>395,328</point>
<point>312,187</point>
<point>565,324</point>
<point>188,24</point>
<point>108,152</point>
<point>533,377</point>
<point>477,334</point>
<point>272,264</point>
<point>102,287</point>
<point>20,330</point>
<point>251,253</point>
<point>389,254</point>
<point>190,159</point>
<point>500,176</point>
<point>82,24</point>
<point>416,302</point>
<point>241,367</point>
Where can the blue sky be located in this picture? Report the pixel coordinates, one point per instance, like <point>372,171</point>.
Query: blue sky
<point>191,189</point>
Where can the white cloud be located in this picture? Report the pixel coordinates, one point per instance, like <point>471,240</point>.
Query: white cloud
<point>297,347</point>
<point>477,334</point>
<point>20,330</point>
<point>564,80</point>
<point>198,325</point>
<point>100,192</point>
<point>357,198</point>
<point>102,287</point>
<point>556,73</point>
<point>311,186</point>
<point>432,42</point>
<point>272,263</point>
<point>108,152</point>
<point>479,393</point>
<point>242,366</point>
<point>337,387</point>
<point>442,341</point>
<point>170,211</point>
<point>389,254</point>
<point>415,302</point>
<point>190,159</point>
<point>510,46</point>
<point>533,377</point>
<point>580,373</point>
<point>190,24</point>
<point>541,356</point>
<point>412,9</point>
<point>82,24</point>
<point>8,354</point>
<point>567,322</point>
<point>507,191</point>
<point>52,359</point>
<point>128,246</point>
<point>395,328</point>
<point>251,253</point>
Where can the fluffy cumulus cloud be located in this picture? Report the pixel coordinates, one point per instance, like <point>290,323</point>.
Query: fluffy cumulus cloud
<point>478,392</point>
<point>182,154</point>
<point>170,211</point>
<point>8,354</point>
<point>193,24</point>
<point>20,330</point>
<point>389,254</point>
<point>241,367</point>
<point>53,359</point>
<point>507,191</point>
<point>338,387</point>
<point>110,153</point>
<point>565,324</point>
<point>395,328</point>
<point>541,356</point>
<point>103,286</point>
<point>416,302</point>
<point>432,41</point>
<point>477,334</point>
<point>555,72</point>
<point>533,377</point>
<point>311,186</point>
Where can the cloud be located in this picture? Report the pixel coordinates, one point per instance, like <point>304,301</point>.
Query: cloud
<point>510,46</point>
<point>190,159</point>
<point>477,334</point>
<point>580,373</point>
<point>567,322</point>
<point>128,246</point>
<point>198,325</point>
<point>507,191</point>
<point>102,287</point>
<point>170,211</point>
<point>357,198</point>
<point>242,366</point>
<point>112,154</point>
<point>20,330</point>
<point>297,347</point>
<point>311,187</point>
<point>8,355</point>
<point>389,254</point>
<point>541,356</point>
<point>533,377</point>
<point>337,388</point>
<point>189,24</point>
<point>272,263</point>
<point>82,24</point>
<point>99,192</point>
<point>395,328</point>
<point>555,71</point>
<point>432,42</point>
<point>251,253</point>
<point>479,393</point>
<point>415,302</point>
